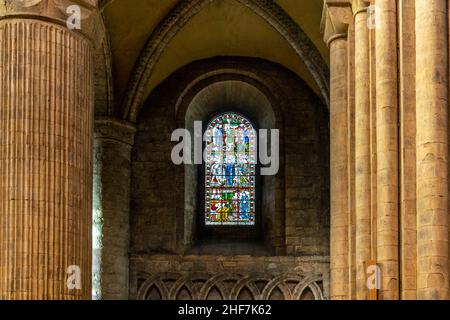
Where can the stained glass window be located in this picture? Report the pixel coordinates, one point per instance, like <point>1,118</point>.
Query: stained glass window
<point>230,159</point>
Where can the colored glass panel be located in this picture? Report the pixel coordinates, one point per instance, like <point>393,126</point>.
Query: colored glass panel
<point>230,171</point>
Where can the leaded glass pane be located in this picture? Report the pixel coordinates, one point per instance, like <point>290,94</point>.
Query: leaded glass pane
<point>230,171</point>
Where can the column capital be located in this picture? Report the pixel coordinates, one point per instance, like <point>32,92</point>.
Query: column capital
<point>336,16</point>
<point>116,129</point>
<point>360,6</point>
<point>58,12</point>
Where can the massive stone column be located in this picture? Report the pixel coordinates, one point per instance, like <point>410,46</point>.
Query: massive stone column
<point>112,151</point>
<point>362,146</point>
<point>432,149</point>
<point>335,25</point>
<point>46,121</point>
<point>387,147</point>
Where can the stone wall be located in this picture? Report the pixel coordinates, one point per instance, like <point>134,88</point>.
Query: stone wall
<point>298,225</point>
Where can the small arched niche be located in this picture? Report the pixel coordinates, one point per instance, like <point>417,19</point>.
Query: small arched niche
<point>209,101</point>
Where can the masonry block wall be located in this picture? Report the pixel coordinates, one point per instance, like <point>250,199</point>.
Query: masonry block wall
<point>158,194</point>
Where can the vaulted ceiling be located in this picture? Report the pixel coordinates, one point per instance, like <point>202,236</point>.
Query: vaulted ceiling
<point>221,28</point>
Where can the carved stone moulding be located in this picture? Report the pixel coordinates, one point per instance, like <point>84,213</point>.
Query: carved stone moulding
<point>58,12</point>
<point>336,16</point>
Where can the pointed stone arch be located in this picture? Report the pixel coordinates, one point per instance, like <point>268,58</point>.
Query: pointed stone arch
<point>268,10</point>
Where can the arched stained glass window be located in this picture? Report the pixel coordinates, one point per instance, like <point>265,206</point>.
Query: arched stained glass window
<point>230,160</point>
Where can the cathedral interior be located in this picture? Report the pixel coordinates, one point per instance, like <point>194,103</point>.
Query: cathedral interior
<point>92,205</point>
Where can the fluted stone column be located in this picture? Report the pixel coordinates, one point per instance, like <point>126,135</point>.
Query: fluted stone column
<point>432,149</point>
<point>362,146</point>
<point>335,25</point>
<point>387,147</point>
<point>46,121</point>
<point>112,164</point>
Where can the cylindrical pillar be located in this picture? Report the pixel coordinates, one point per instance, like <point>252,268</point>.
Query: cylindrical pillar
<point>351,161</point>
<point>46,122</point>
<point>407,104</point>
<point>387,147</point>
<point>335,28</point>
<point>432,149</point>
<point>111,208</point>
<point>338,154</point>
<point>362,147</point>
<point>373,133</point>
